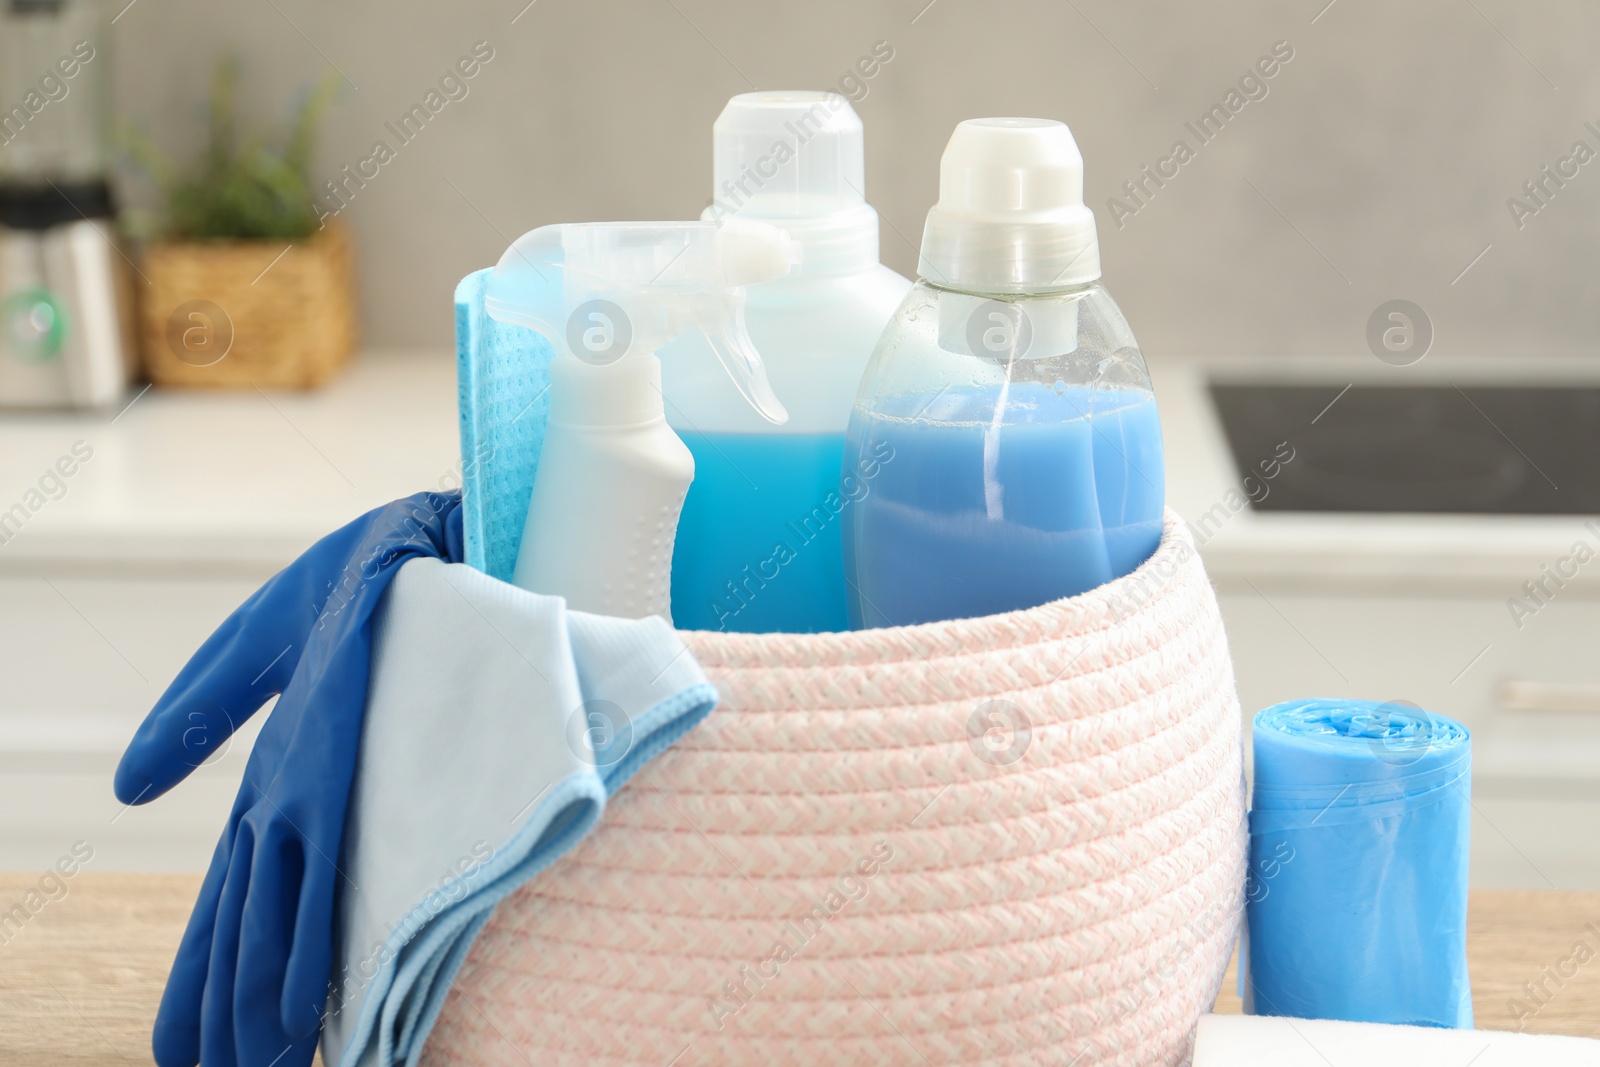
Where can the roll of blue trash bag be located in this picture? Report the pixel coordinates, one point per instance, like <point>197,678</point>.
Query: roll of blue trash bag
<point>1356,901</point>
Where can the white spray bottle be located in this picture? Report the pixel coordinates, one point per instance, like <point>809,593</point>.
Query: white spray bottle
<point>612,475</point>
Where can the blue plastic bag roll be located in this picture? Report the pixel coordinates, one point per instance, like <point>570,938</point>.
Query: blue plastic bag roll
<point>1356,900</point>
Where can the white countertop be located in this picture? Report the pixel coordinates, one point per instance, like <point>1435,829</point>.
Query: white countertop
<point>227,480</point>
<point>245,480</point>
<point>1452,554</point>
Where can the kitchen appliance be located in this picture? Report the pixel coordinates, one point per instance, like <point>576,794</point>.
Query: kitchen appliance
<point>65,301</point>
<point>1473,448</point>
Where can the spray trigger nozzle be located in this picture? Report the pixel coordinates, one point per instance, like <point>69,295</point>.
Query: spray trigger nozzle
<point>604,292</point>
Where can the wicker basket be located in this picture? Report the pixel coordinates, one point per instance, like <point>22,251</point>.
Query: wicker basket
<point>249,312</point>
<point>1015,841</point>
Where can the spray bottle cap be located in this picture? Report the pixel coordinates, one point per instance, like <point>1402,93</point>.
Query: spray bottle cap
<point>608,292</point>
<point>1010,216</point>
<point>796,159</point>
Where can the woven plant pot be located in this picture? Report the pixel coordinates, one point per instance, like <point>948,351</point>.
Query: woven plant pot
<point>268,313</point>
<point>1004,841</point>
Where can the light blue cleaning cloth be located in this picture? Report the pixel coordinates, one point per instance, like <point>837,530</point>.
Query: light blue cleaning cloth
<point>498,723</point>
<point>503,387</point>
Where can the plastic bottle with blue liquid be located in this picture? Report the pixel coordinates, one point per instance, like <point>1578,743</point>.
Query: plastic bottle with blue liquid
<point>1006,419</point>
<point>759,546</point>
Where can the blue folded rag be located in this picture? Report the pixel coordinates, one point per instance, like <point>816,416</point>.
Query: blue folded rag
<point>1356,898</point>
<point>497,725</point>
<point>503,387</point>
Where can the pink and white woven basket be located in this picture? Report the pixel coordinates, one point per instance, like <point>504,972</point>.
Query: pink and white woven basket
<point>1010,840</point>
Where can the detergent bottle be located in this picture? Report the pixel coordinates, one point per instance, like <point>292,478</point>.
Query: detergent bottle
<point>759,548</point>
<point>612,475</point>
<point>1007,415</point>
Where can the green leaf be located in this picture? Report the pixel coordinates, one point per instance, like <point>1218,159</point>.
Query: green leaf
<point>249,186</point>
<point>312,112</point>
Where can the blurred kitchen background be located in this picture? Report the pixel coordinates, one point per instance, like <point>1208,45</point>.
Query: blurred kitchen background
<point>1384,159</point>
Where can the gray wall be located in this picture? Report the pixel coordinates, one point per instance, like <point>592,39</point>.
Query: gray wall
<point>1378,165</point>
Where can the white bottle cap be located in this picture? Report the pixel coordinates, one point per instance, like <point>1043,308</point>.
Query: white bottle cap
<point>1010,216</point>
<point>796,160</point>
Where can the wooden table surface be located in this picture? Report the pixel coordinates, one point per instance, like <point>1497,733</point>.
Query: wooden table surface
<point>80,975</point>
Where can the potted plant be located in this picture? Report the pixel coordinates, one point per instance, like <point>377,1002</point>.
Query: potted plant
<point>245,285</point>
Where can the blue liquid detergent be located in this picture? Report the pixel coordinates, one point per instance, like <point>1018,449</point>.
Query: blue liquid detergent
<point>759,546</point>
<point>968,516</point>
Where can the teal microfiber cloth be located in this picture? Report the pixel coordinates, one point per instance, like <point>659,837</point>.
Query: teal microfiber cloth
<point>503,387</point>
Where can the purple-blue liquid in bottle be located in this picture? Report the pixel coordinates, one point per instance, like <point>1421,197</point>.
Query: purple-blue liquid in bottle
<point>995,499</point>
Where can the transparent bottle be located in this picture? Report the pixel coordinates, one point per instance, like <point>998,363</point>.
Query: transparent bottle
<point>1004,449</point>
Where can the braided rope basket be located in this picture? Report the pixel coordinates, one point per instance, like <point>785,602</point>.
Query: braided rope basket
<point>1010,840</point>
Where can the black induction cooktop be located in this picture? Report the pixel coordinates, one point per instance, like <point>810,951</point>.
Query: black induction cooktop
<point>1467,449</point>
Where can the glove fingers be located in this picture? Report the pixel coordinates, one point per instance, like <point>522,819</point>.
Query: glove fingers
<point>175,1038</point>
<point>255,652</point>
<point>244,663</point>
<point>266,931</point>
<point>216,1009</point>
<point>305,984</point>
<point>252,655</point>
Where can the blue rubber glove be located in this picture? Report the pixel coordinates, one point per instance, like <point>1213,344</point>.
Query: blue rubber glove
<point>250,980</point>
